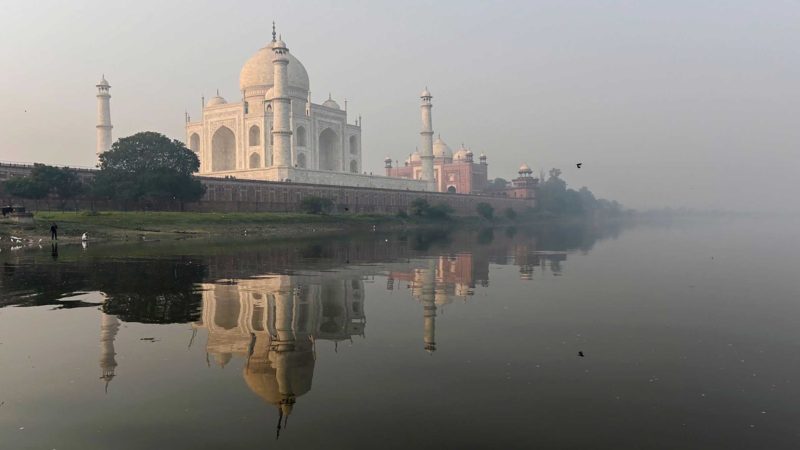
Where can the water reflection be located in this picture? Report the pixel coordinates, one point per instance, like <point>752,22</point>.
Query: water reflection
<point>273,324</point>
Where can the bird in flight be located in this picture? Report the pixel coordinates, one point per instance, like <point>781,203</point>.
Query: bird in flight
<point>579,165</point>
<point>580,354</point>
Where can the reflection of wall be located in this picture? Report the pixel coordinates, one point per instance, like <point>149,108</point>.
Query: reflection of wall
<point>273,323</point>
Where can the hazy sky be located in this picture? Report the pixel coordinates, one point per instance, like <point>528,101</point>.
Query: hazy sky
<point>666,103</point>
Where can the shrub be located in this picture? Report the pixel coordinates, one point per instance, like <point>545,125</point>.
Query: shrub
<point>485,210</point>
<point>316,205</point>
<point>511,214</point>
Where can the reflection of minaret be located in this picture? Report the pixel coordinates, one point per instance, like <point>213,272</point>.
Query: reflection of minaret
<point>428,298</point>
<point>109,325</point>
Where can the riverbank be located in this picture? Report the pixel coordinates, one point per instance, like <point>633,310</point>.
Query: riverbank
<point>115,226</point>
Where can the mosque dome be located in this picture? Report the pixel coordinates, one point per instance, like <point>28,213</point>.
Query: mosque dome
<point>462,154</point>
<point>330,103</point>
<point>258,72</point>
<point>441,150</point>
<point>216,100</point>
<point>103,82</point>
<point>524,168</point>
<point>415,157</point>
<point>426,93</point>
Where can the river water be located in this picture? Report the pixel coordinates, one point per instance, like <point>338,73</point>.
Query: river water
<point>681,335</point>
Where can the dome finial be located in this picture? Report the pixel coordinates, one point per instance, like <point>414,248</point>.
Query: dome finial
<point>273,31</point>
<point>217,92</point>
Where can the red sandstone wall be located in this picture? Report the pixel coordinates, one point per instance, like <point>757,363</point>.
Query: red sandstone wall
<point>249,196</point>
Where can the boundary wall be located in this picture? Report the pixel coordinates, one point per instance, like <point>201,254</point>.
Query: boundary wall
<point>236,195</point>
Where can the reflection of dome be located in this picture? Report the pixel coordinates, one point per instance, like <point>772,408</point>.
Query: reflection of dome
<point>257,72</point>
<point>330,103</point>
<point>222,359</point>
<point>216,100</point>
<point>280,381</point>
<point>441,150</point>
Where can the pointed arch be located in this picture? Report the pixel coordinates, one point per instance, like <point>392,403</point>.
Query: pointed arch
<point>354,166</point>
<point>194,142</point>
<point>353,145</point>
<point>329,150</point>
<point>255,160</point>
<point>254,136</point>
<point>223,150</point>
<point>301,137</point>
<point>301,160</point>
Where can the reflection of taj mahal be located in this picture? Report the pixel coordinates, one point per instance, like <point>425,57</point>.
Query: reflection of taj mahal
<point>273,323</point>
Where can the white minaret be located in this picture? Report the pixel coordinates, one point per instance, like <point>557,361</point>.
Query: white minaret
<point>109,325</point>
<point>427,139</point>
<point>103,116</point>
<point>429,305</point>
<point>281,107</point>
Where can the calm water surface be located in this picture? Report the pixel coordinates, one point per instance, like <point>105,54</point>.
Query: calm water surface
<point>689,334</point>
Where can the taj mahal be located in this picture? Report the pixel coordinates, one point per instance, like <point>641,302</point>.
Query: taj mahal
<point>277,133</point>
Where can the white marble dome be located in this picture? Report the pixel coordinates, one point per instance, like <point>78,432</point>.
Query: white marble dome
<point>216,100</point>
<point>441,149</point>
<point>524,168</point>
<point>415,157</point>
<point>258,72</point>
<point>330,103</point>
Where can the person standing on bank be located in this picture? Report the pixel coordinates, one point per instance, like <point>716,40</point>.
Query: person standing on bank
<point>54,232</point>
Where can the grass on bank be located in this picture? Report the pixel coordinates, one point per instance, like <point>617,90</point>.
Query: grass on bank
<point>118,224</point>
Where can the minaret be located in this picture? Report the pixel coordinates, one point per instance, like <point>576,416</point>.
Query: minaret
<point>281,104</point>
<point>109,325</point>
<point>427,139</point>
<point>103,116</point>
<point>429,305</point>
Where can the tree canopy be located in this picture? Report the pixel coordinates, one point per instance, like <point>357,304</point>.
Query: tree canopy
<point>556,198</point>
<point>45,180</point>
<point>149,167</point>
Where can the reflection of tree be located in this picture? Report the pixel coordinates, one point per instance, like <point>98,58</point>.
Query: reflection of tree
<point>486,236</point>
<point>153,292</point>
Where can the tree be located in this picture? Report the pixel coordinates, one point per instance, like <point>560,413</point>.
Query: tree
<point>485,210</point>
<point>149,167</point>
<point>62,182</point>
<point>498,184</point>
<point>316,205</point>
<point>25,187</point>
<point>46,180</point>
<point>419,207</point>
<point>511,214</point>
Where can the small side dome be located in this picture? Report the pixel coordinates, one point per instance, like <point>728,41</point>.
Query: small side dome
<point>483,157</point>
<point>426,93</point>
<point>103,82</point>
<point>216,100</point>
<point>441,150</point>
<point>331,103</point>
<point>415,157</point>
<point>388,159</point>
<point>525,169</point>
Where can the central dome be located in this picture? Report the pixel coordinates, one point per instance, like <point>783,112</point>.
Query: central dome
<point>257,72</point>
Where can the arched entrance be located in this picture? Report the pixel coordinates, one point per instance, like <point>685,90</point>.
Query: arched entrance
<point>255,161</point>
<point>301,160</point>
<point>354,166</point>
<point>329,152</point>
<point>194,142</point>
<point>223,150</point>
<point>300,136</point>
<point>451,189</point>
<point>255,136</point>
